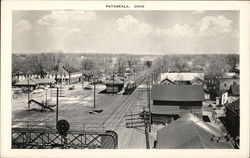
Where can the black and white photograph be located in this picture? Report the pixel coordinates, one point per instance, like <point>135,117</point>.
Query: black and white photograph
<point>125,79</point>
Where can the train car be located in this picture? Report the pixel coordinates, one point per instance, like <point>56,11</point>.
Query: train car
<point>129,88</point>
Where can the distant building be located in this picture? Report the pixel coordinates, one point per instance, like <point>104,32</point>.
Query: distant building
<point>172,101</point>
<point>114,85</point>
<point>206,94</point>
<point>225,83</point>
<point>212,86</point>
<point>222,98</point>
<point>190,132</point>
<point>29,82</point>
<point>232,122</point>
<point>234,93</point>
<point>35,82</point>
<point>183,77</point>
<point>234,90</point>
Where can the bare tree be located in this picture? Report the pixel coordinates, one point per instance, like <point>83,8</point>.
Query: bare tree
<point>121,65</point>
<point>131,60</point>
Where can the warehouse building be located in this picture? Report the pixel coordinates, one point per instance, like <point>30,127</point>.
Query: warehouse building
<point>172,101</point>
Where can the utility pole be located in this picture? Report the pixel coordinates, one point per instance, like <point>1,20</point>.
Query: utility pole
<point>146,129</point>
<point>149,107</point>
<point>28,94</point>
<point>57,91</point>
<point>46,98</point>
<point>136,120</point>
<point>94,91</point>
<point>113,83</point>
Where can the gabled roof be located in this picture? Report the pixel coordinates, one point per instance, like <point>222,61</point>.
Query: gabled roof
<point>234,90</point>
<point>167,79</point>
<point>28,81</point>
<point>183,76</point>
<point>189,132</point>
<point>196,79</point>
<point>177,92</point>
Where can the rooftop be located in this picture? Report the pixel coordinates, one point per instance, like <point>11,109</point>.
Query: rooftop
<point>177,92</point>
<point>184,76</point>
<point>234,90</point>
<point>28,81</point>
<point>189,132</point>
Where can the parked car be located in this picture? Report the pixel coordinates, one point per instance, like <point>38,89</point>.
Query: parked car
<point>72,87</point>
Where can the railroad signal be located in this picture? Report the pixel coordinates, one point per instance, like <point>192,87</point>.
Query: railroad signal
<point>62,127</point>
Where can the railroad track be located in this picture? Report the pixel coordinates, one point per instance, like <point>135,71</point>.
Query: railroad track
<point>114,120</point>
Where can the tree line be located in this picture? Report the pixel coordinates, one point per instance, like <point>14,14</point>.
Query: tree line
<point>89,64</point>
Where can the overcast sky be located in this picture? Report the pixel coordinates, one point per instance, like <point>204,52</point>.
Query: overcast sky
<point>140,32</point>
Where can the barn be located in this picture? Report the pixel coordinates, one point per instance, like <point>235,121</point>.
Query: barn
<point>172,101</point>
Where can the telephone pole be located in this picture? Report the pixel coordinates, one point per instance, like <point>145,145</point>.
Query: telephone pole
<point>113,82</point>
<point>146,124</point>
<point>149,107</point>
<point>57,91</point>
<point>94,91</point>
<point>28,93</point>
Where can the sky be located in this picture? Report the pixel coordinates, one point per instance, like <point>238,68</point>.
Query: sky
<point>136,32</point>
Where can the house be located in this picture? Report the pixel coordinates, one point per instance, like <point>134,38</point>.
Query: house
<point>46,81</point>
<point>233,93</point>
<point>225,83</point>
<point>75,77</point>
<point>212,85</point>
<point>167,81</point>
<point>183,78</point>
<point>222,98</point>
<point>172,101</point>
<point>232,120</point>
<point>29,82</point>
<point>234,90</point>
<point>206,94</point>
<point>190,132</point>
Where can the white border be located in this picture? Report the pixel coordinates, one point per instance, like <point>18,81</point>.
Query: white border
<point>6,49</point>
